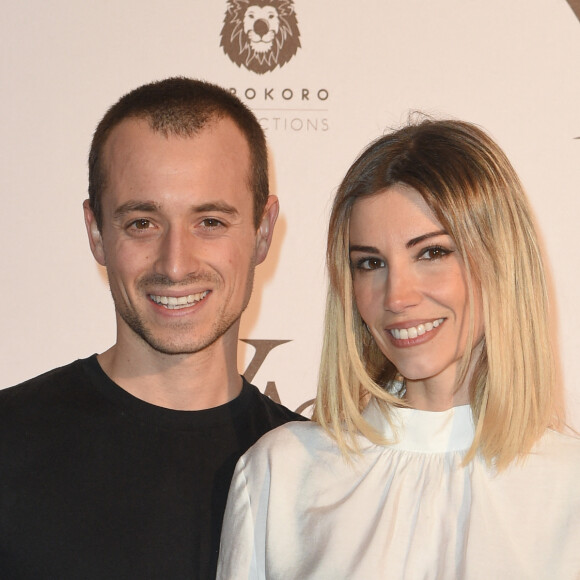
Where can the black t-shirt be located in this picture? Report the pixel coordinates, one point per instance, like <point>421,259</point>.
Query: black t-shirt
<point>97,484</point>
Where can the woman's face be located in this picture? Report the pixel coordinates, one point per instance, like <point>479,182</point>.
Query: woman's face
<point>410,287</point>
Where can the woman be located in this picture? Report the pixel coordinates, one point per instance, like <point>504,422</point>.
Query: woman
<point>435,450</point>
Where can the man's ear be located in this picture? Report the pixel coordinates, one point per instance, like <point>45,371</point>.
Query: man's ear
<point>95,238</point>
<point>266,228</point>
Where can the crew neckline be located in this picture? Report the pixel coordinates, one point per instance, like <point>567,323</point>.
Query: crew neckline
<point>161,415</point>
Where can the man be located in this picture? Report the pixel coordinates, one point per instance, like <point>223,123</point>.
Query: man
<point>118,466</point>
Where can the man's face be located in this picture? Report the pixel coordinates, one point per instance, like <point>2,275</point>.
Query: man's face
<point>178,237</point>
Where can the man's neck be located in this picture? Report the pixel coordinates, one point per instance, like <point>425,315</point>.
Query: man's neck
<point>188,382</point>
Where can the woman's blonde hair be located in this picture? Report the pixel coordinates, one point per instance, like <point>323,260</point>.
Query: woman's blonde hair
<point>472,188</point>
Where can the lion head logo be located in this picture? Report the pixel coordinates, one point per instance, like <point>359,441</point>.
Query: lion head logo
<point>260,34</point>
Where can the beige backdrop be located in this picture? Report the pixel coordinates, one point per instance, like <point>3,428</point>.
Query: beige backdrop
<point>362,66</point>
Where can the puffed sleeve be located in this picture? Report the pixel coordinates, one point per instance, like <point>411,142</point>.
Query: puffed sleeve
<point>242,547</point>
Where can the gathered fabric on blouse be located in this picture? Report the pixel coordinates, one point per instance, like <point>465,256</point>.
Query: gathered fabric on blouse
<point>299,510</point>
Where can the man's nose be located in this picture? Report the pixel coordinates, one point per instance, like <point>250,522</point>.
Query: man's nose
<point>178,254</point>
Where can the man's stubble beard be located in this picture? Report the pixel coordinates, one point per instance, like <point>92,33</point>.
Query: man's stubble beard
<point>138,326</point>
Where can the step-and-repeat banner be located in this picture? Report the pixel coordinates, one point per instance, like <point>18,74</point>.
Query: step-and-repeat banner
<point>337,75</point>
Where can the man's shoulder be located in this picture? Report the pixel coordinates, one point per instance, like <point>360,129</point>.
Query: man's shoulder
<point>276,413</point>
<point>42,388</point>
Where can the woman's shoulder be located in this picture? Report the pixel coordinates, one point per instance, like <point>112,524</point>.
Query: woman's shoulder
<point>296,446</point>
<point>553,462</point>
<point>292,436</point>
<point>561,447</point>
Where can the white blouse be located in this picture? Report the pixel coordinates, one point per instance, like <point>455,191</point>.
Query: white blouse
<point>298,510</point>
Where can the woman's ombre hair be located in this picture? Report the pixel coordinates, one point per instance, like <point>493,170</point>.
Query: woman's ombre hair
<point>472,188</point>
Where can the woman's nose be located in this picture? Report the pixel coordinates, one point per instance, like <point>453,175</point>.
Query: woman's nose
<point>401,290</point>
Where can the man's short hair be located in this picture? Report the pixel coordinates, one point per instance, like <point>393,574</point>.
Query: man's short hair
<point>180,106</point>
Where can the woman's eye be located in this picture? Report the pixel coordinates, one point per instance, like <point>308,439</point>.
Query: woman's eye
<point>433,253</point>
<point>369,264</point>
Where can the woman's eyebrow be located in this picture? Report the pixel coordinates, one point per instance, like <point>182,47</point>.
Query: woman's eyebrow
<point>365,249</point>
<point>424,237</point>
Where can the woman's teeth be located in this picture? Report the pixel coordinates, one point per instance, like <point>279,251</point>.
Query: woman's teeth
<point>415,331</point>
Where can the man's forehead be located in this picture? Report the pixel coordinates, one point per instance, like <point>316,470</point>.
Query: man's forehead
<point>140,162</point>
<point>135,139</point>
<point>134,127</point>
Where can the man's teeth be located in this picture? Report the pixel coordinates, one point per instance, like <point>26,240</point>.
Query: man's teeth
<point>415,331</point>
<point>176,302</point>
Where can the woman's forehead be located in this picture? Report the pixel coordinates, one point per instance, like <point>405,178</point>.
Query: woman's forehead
<point>399,208</point>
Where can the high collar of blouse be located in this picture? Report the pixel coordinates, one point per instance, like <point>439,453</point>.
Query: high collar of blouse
<point>425,431</point>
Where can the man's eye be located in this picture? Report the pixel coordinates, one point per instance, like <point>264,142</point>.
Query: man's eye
<point>141,224</point>
<point>212,223</point>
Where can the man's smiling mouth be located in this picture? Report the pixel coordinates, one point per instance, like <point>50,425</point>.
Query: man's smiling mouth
<point>177,302</point>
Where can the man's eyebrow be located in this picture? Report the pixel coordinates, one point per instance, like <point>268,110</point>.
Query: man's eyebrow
<point>131,206</point>
<point>219,206</point>
<point>151,207</point>
<point>424,237</point>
